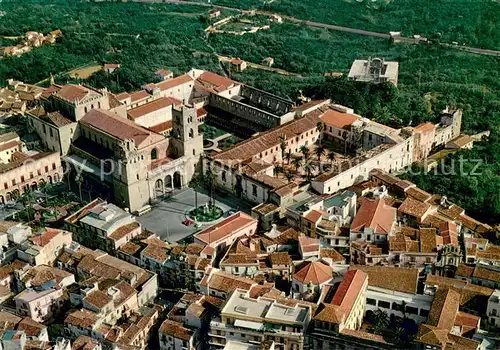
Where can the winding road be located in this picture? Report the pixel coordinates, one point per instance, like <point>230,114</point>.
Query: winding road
<point>332,27</point>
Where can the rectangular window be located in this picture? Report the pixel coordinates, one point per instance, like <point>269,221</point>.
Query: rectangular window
<point>412,310</point>
<point>5,185</point>
<point>31,175</point>
<point>384,304</point>
<point>13,182</point>
<point>51,133</point>
<point>46,169</point>
<point>53,166</point>
<point>424,312</point>
<point>371,301</point>
<point>22,178</point>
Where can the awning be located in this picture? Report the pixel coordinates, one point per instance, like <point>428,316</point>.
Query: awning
<point>249,324</point>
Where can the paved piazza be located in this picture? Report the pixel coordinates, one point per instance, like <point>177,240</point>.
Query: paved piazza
<point>168,213</point>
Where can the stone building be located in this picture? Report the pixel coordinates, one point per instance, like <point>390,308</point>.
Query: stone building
<point>375,70</point>
<point>28,171</point>
<point>135,162</point>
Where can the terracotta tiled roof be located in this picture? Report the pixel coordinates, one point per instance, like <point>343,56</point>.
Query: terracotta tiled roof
<point>308,244</point>
<point>485,273</point>
<point>74,93</point>
<point>130,248</point>
<point>84,342</point>
<point>97,299</point>
<point>374,214</point>
<point>157,253</point>
<point>45,238</point>
<point>428,242</point>
<point>162,127</point>
<point>124,230</point>
<point>492,252</point>
<point>225,228</point>
<point>418,194</point>
<point>474,225</point>
<point>117,127</point>
<point>213,80</point>
<point>413,207</point>
<point>194,248</point>
<point>399,279</point>
<point>171,83</point>
<point>176,330</point>
<point>30,327</point>
<point>138,95</point>
<point>223,282</point>
<point>268,139</point>
<point>314,215</point>
<point>339,119</point>
<point>464,271</point>
<point>349,289</point>
<point>331,253</point>
<point>330,313</point>
<point>314,272</point>
<point>82,319</point>
<point>150,107</point>
<point>444,308</point>
<point>425,127</point>
<point>448,231</point>
<point>280,258</point>
<point>433,220</point>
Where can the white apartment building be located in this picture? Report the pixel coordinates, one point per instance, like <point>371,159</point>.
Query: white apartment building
<point>254,321</point>
<point>391,288</point>
<point>39,305</point>
<point>493,310</point>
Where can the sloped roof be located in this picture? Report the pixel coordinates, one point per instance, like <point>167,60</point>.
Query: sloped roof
<point>374,214</point>
<point>314,272</point>
<point>119,128</point>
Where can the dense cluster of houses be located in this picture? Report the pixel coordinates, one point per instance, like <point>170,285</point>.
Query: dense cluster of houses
<point>30,41</point>
<point>339,261</point>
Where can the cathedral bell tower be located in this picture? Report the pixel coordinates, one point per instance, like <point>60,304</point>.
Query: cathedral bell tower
<point>186,140</point>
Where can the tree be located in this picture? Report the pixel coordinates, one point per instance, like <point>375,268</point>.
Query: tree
<point>331,157</point>
<point>289,176</point>
<point>288,156</point>
<point>308,168</point>
<point>283,149</point>
<point>319,151</point>
<point>277,170</point>
<point>380,321</point>
<point>305,151</point>
<point>297,162</point>
<point>211,181</point>
<point>79,181</point>
<point>320,127</point>
<point>194,183</point>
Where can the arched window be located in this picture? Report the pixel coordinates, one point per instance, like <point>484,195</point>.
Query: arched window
<point>153,154</point>
<point>191,133</point>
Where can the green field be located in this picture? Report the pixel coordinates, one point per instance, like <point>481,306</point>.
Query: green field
<point>145,37</point>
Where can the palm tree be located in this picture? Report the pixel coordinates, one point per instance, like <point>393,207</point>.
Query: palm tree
<point>305,151</point>
<point>297,162</point>
<point>320,127</point>
<point>319,151</point>
<point>283,148</point>
<point>79,181</point>
<point>380,321</point>
<point>289,176</point>
<point>288,156</point>
<point>194,183</point>
<point>308,168</point>
<point>331,157</point>
<point>277,170</point>
<point>211,181</point>
<point>344,136</point>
